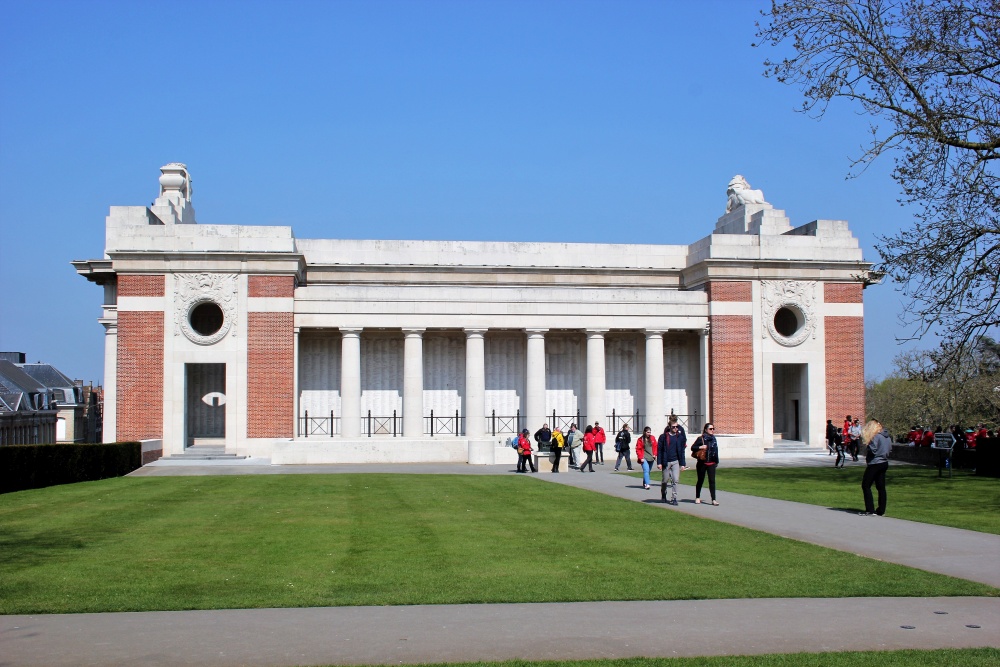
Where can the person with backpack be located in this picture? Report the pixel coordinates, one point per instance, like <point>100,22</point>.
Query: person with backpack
<point>524,453</point>
<point>543,437</point>
<point>670,459</point>
<point>558,442</point>
<point>622,442</point>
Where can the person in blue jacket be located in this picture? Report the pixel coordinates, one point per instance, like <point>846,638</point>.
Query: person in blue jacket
<point>670,459</point>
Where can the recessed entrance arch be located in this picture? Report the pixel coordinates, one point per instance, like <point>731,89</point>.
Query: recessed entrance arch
<point>790,401</point>
<point>205,404</point>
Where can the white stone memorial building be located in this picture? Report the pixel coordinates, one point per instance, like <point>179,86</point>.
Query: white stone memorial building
<point>246,338</point>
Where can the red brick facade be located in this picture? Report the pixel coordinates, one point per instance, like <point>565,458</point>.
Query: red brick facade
<point>264,286</point>
<point>731,363</point>
<point>730,291</point>
<point>270,375</point>
<point>845,367</point>
<point>141,286</point>
<point>842,292</point>
<point>140,373</point>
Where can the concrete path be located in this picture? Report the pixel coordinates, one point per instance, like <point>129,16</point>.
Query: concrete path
<point>439,633</point>
<point>452,633</point>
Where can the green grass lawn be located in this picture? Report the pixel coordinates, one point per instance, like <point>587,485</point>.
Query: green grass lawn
<point>914,493</point>
<point>971,657</point>
<point>220,542</point>
<point>968,657</point>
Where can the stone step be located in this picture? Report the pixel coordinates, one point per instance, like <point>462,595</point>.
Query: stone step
<point>203,453</point>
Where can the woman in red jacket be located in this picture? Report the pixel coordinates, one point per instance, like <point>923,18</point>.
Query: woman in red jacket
<point>524,453</point>
<point>643,446</point>
<point>588,449</point>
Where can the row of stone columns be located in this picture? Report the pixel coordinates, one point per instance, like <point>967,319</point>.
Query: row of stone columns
<point>475,379</point>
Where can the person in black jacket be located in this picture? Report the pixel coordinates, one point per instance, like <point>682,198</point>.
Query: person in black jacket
<point>670,459</point>
<point>706,467</point>
<point>543,437</point>
<point>622,442</point>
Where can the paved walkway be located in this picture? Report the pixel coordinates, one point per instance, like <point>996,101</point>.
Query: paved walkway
<point>384,635</point>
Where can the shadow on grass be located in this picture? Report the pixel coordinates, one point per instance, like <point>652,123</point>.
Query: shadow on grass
<point>22,549</point>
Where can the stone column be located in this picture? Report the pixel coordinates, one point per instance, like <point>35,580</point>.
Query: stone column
<point>295,382</point>
<point>350,383</point>
<point>413,383</point>
<point>109,427</point>
<point>475,383</point>
<point>596,403</point>
<point>706,374</point>
<point>534,400</point>
<point>655,415</point>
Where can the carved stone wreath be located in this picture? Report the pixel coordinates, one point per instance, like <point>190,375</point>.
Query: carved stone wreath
<point>797,296</point>
<point>192,290</point>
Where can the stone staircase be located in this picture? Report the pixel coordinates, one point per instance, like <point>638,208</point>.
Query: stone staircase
<point>204,453</point>
<point>792,447</point>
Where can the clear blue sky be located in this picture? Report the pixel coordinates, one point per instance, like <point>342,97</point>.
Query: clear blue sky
<point>601,122</point>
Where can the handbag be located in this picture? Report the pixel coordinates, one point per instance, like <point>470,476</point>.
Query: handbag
<point>700,454</point>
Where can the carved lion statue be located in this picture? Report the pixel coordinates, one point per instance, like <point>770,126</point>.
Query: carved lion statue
<point>740,193</point>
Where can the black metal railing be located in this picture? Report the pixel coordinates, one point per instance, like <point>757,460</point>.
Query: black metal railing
<point>437,425</point>
<point>318,426</point>
<point>562,422</point>
<point>379,425</point>
<point>503,424</point>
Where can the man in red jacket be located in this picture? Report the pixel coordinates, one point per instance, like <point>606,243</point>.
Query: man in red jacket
<point>599,439</point>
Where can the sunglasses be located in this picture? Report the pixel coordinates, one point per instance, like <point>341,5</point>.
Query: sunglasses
<point>711,428</point>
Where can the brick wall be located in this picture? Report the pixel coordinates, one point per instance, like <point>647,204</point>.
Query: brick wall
<point>141,286</point>
<point>731,363</point>
<point>140,373</point>
<point>845,367</point>
<point>730,291</point>
<point>273,286</point>
<point>842,292</point>
<point>270,375</point>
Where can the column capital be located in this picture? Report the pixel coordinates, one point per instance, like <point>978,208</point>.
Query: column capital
<point>596,332</point>
<point>474,332</point>
<point>535,333</point>
<point>654,333</point>
<point>351,331</point>
<point>410,332</point>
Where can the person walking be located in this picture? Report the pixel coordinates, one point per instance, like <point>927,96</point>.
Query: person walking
<point>855,439</point>
<point>599,439</point>
<point>573,441</point>
<point>524,453</point>
<point>707,462</point>
<point>558,442</point>
<point>670,459</point>
<point>838,443</point>
<point>588,449</point>
<point>622,445</point>
<point>831,436</point>
<point>645,453</point>
<point>878,446</point>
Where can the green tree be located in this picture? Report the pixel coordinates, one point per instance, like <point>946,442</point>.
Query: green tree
<point>927,73</point>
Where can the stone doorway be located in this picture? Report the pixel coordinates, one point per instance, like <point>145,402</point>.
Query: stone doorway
<point>791,421</point>
<point>205,406</point>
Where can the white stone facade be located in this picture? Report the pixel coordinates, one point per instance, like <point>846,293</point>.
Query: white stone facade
<point>369,338</point>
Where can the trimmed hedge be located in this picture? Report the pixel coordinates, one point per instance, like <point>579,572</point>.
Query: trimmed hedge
<point>37,466</point>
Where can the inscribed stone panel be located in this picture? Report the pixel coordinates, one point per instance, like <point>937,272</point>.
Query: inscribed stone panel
<point>621,374</point>
<point>444,374</point>
<point>319,374</point>
<point>381,375</point>
<point>505,366</point>
<point>681,376</point>
<point>565,374</point>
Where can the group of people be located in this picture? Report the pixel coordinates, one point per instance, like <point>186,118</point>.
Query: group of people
<point>844,441</point>
<point>667,453</point>
<point>966,437</point>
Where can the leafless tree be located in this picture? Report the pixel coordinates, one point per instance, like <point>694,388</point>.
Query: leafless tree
<point>927,73</point>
